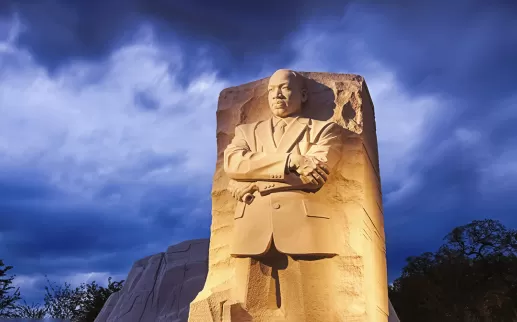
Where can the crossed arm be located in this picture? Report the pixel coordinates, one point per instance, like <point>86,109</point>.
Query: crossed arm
<point>272,172</point>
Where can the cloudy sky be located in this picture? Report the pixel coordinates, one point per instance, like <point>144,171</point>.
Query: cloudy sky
<point>107,127</point>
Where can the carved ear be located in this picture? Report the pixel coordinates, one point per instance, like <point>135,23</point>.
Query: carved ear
<point>305,95</point>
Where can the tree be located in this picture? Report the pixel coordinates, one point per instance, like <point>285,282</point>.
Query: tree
<point>472,277</point>
<point>7,300</point>
<point>62,302</point>
<point>33,311</point>
<point>81,304</point>
<point>95,297</point>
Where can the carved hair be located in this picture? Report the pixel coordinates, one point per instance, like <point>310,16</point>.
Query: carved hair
<point>298,78</point>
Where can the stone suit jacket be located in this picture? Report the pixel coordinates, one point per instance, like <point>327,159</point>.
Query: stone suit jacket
<point>284,209</point>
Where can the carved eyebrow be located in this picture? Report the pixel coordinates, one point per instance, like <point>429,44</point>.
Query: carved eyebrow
<point>282,84</point>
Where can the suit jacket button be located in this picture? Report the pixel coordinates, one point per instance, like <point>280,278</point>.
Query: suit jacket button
<point>276,205</point>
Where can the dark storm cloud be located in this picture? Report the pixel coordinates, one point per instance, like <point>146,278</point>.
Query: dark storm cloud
<point>463,51</point>
<point>31,186</point>
<point>146,101</point>
<point>453,189</point>
<point>464,48</point>
<point>37,229</point>
<point>44,228</point>
<point>235,34</point>
<point>58,31</point>
<point>433,45</point>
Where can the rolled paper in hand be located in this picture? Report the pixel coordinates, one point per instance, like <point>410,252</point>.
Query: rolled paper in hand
<point>248,198</point>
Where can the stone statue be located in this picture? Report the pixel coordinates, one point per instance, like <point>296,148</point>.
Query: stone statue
<point>276,167</point>
<point>304,242</point>
<point>297,228</point>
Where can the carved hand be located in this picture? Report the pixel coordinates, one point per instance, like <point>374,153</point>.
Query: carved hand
<point>311,169</point>
<point>240,189</point>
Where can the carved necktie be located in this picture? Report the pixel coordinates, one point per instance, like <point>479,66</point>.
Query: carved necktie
<point>279,131</point>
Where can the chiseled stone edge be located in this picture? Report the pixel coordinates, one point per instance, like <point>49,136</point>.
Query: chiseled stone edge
<point>112,310</point>
<point>184,246</point>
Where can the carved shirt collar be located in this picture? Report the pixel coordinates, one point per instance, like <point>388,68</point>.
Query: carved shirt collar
<point>287,120</point>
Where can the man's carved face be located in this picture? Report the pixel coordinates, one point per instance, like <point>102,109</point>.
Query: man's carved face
<point>286,93</point>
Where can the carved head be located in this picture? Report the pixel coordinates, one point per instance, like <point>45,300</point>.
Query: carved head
<point>286,93</point>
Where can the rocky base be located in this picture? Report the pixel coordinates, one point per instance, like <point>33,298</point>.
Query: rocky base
<point>160,287</point>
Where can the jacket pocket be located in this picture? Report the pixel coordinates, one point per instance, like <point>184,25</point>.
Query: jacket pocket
<point>314,209</point>
<point>239,210</point>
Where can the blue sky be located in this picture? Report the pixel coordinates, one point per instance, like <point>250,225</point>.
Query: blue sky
<point>107,134</point>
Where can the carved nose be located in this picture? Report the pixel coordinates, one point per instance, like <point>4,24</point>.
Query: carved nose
<point>276,205</point>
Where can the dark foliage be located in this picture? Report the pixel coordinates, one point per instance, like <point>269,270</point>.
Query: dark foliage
<point>63,302</point>
<point>8,294</point>
<point>472,277</point>
<point>32,311</point>
<point>94,298</point>
<point>81,304</point>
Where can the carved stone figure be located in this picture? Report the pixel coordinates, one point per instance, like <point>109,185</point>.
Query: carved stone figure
<point>304,241</point>
<point>297,226</point>
<point>278,164</point>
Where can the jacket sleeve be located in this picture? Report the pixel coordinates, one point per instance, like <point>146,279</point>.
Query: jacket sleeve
<point>327,147</point>
<point>291,182</point>
<point>240,163</point>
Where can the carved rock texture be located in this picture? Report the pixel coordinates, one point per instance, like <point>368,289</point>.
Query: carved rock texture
<point>354,282</point>
<point>178,288</point>
<point>160,287</point>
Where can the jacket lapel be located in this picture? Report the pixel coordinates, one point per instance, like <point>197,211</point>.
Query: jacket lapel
<point>265,135</point>
<point>291,135</point>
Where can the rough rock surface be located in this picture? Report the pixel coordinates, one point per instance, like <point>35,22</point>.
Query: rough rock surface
<point>179,287</point>
<point>160,287</point>
<point>357,277</point>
